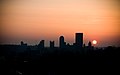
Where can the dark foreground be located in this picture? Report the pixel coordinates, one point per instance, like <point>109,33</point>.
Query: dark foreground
<point>59,61</point>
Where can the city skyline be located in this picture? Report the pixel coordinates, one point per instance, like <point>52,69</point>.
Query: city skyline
<point>62,42</point>
<point>78,43</point>
<point>57,37</point>
<point>34,20</point>
<point>76,40</point>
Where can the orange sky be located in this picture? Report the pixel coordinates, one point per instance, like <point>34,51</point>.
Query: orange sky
<point>34,20</point>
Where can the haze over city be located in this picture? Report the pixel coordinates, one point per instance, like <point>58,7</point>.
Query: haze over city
<point>34,20</point>
<point>59,37</point>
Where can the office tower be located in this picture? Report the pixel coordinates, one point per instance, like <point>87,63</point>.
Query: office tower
<point>89,44</point>
<point>90,47</point>
<point>51,44</point>
<point>22,42</point>
<point>61,42</point>
<point>84,45</point>
<point>41,44</point>
<point>79,40</point>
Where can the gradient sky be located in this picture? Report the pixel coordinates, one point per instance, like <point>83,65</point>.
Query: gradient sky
<point>34,20</point>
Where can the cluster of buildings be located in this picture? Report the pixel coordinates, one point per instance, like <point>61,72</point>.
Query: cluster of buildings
<point>41,46</point>
<point>62,44</point>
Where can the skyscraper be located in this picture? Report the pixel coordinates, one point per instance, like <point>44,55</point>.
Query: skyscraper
<point>89,44</point>
<point>90,47</point>
<point>61,42</point>
<point>79,40</point>
<point>51,44</point>
<point>41,44</point>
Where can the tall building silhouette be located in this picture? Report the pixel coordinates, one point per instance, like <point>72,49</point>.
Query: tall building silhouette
<point>62,44</point>
<point>51,44</point>
<point>79,40</point>
<point>89,44</point>
<point>84,45</point>
<point>22,42</point>
<point>41,44</point>
<point>90,47</point>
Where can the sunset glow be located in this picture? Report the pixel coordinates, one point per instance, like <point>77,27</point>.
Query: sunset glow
<point>34,20</point>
